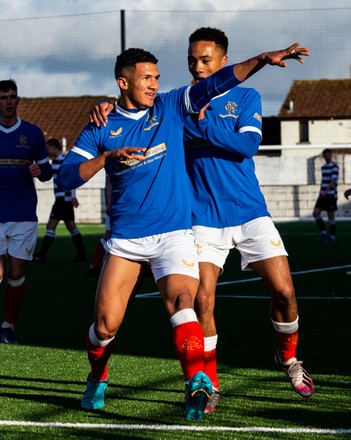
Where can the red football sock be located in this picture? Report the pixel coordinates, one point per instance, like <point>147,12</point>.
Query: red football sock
<point>14,297</point>
<point>188,342</point>
<point>98,255</point>
<point>287,344</point>
<point>210,367</point>
<point>98,358</point>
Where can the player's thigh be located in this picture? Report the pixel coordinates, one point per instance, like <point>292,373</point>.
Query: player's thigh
<point>316,211</point>
<point>52,224</point>
<point>275,273</point>
<point>16,267</point>
<point>331,215</point>
<point>178,292</point>
<point>70,225</point>
<point>2,267</point>
<point>209,274</point>
<point>115,287</point>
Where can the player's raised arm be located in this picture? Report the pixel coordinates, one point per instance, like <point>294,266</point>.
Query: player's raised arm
<point>247,68</point>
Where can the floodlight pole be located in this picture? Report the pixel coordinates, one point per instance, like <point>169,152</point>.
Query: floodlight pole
<point>123,30</point>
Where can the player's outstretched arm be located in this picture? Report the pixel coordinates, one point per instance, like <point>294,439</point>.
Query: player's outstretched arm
<point>249,67</point>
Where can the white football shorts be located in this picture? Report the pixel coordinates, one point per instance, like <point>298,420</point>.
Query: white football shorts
<point>18,239</point>
<point>169,253</point>
<point>256,240</point>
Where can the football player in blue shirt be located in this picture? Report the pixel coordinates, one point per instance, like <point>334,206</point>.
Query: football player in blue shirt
<point>22,158</point>
<point>229,209</point>
<point>141,148</point>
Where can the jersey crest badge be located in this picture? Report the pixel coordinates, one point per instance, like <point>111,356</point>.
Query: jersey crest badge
<point>152,121</point>
<point>231,108</point>
<point>23,142</point>
<point>191,344</point>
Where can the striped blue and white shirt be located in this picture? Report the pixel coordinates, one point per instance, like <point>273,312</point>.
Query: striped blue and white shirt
<point>330,172</point>
<point>59,192</point>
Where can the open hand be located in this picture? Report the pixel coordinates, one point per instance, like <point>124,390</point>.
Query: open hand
<point>277,57</point>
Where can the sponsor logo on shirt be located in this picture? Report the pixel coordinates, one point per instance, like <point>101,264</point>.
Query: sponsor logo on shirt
<point>257,116</point>
<point>117,133</point>
<point>149,154</point>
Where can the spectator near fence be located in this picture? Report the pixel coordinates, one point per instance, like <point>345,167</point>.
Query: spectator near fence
<point>327,199</point>
<point>63,209</point>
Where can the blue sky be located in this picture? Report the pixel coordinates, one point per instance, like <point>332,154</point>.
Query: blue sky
<point>74,54</point>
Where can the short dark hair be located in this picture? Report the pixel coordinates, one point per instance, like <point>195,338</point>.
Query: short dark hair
<point>130,57</point>
<point>8,84</point>
<point>210,34</point>
<point>326,150</point>
<point>54,143</point>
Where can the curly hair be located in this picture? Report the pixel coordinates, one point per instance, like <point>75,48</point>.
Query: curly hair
<point>130,57</point>
<point>210,34</point>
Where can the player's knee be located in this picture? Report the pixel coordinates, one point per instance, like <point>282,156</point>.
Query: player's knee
<point>285,295</point>
<point>16,282</point>
<point>104,332</point>
<point>98,337</point>
<point>204,302</point>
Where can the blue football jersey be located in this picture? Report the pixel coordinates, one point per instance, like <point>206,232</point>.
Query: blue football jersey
<point>219,156</point>
<point>20,144</point>
<point>152,196</point>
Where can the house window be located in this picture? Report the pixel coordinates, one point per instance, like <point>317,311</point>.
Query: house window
<point>304,132</point>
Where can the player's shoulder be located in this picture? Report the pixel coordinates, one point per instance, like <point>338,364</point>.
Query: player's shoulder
<point>246,91</point>
<point>239,93</point>
<point>163,97</point>
<point>29,125</point>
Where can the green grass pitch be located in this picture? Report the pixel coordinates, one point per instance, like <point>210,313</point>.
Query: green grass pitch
<point>43,377</point>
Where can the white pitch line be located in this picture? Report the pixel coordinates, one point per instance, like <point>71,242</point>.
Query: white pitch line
<point>172,427</point>
<point>249,280</point>
<point>301,272</point>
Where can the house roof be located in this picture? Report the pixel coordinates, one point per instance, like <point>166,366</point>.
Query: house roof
<point>318,99</point>
<point>59,118</point>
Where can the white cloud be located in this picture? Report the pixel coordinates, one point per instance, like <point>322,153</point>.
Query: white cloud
<point>75,54</point>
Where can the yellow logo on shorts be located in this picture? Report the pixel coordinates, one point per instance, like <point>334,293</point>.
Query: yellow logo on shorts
<point>198,249</point>
<point>188,264</point>
<point>276,243</point>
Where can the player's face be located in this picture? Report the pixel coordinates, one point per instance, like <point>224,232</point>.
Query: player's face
<point>328,157</point>
<point>204,59</point>
<point>139,86</point>
<point>50,150</point>
<point>8,104</point>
